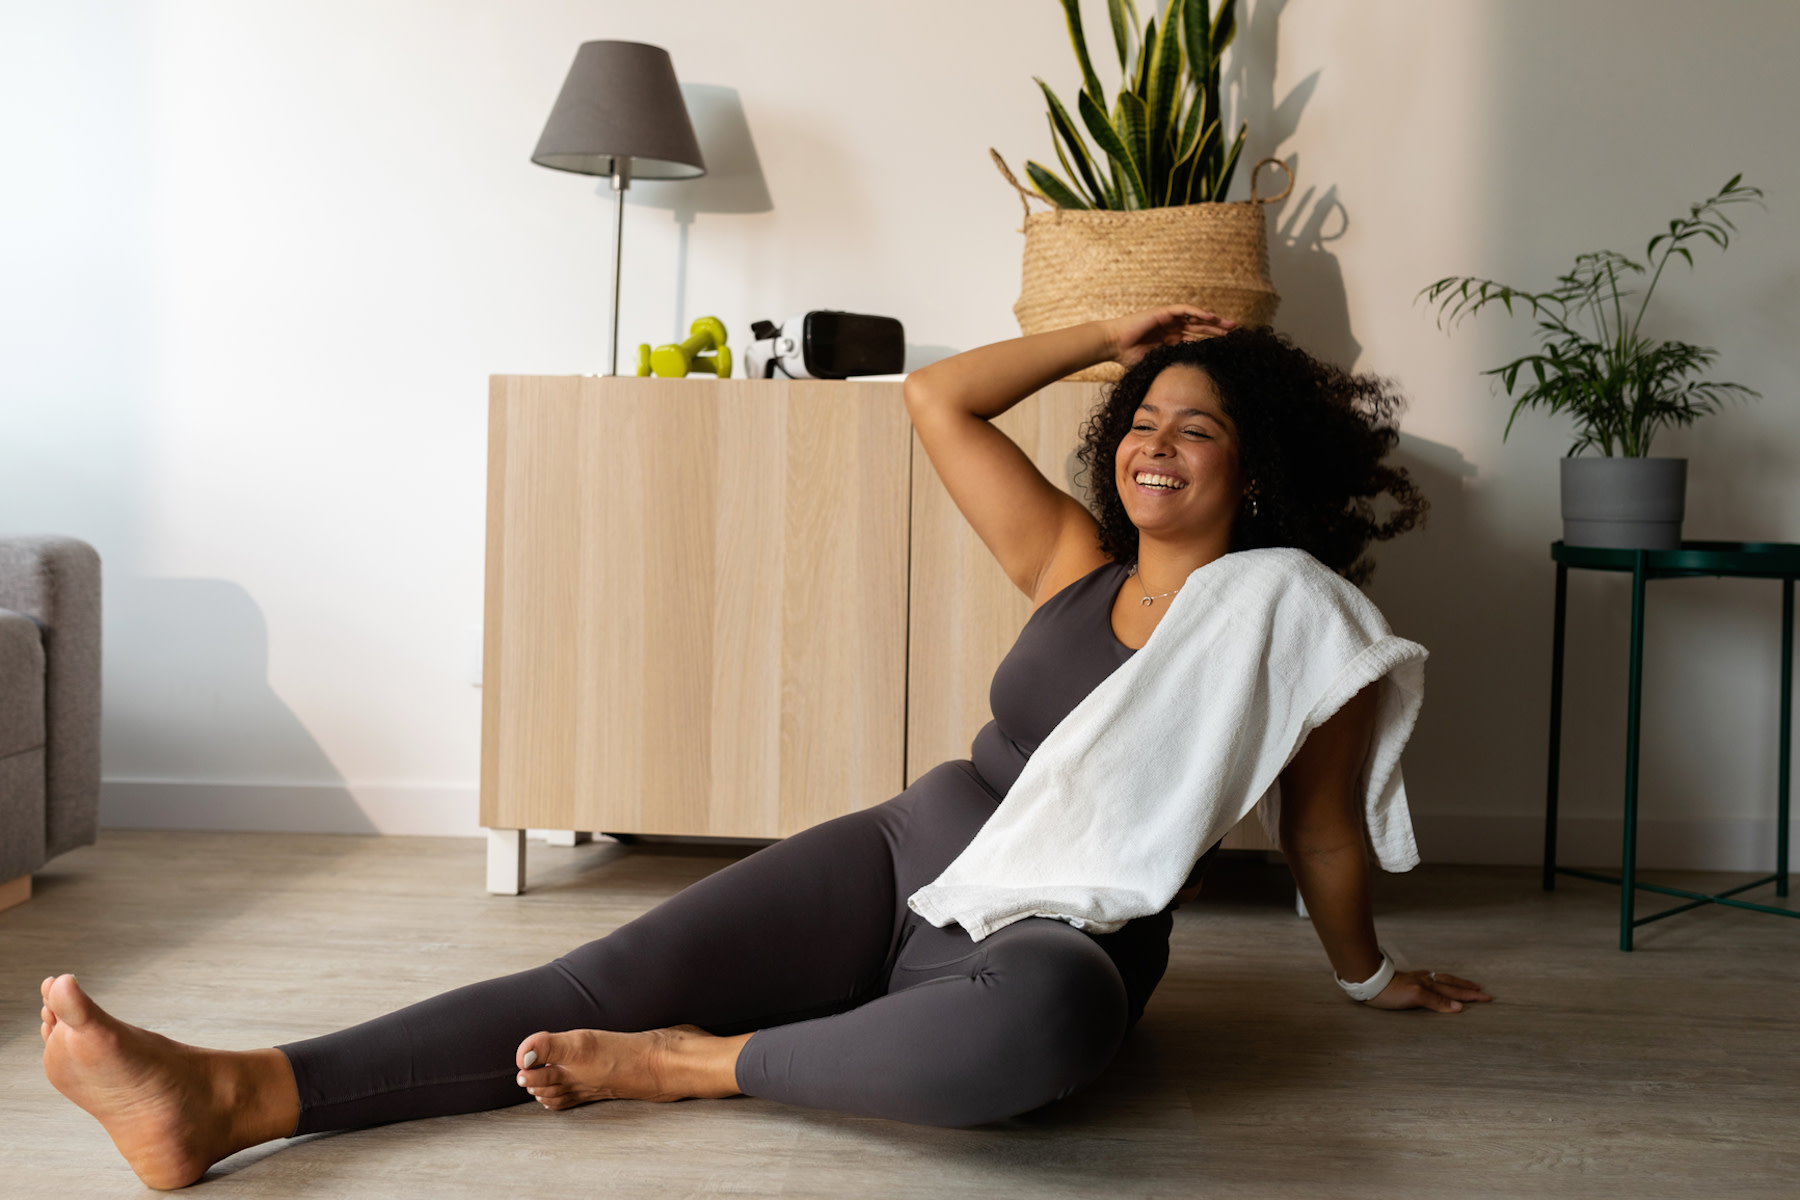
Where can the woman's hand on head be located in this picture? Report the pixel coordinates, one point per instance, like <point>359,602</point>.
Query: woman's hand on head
<point>1134,336</point>
<point>1428,989</point>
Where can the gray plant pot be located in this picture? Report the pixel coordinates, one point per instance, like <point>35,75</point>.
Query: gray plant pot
<point>1625,503</point>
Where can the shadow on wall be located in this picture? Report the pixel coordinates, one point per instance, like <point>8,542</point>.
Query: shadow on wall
<point>1251,79</point>
<point>1481,745</point>
<point>1713,653</point>
<point>733,182</point>
<point>1314,308</point>
<point>190,719</point>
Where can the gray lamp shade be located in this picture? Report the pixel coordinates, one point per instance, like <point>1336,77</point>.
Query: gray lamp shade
<point>621,100</point>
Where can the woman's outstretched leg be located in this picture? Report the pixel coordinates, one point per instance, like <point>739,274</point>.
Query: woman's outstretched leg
<point>802,928</point>
<point>799,929</point>
<point>172,1110</point>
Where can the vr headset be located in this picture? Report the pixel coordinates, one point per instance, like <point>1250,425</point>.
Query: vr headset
<point>826,345</point>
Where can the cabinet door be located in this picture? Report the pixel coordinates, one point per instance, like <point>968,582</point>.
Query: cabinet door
<point>696,604</point>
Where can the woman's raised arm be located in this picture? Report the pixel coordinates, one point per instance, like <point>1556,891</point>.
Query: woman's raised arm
<point>1025,521</point>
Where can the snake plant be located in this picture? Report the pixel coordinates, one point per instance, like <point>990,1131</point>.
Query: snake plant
<point>1160,142</point>
<point>1620,385</point>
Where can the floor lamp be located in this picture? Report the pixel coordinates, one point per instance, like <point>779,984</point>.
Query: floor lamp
<point>620,114</point>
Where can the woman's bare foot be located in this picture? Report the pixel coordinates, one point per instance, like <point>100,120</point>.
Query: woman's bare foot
<point>562,1070</point>
<point>172,1110</point>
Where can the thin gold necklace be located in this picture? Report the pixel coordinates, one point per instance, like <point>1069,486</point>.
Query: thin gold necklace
<point>1148,599</point>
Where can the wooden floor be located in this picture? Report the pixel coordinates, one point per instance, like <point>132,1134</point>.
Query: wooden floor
<point>1672,1071</point>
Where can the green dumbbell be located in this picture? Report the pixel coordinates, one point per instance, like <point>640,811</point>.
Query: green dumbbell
<point>675,361</point>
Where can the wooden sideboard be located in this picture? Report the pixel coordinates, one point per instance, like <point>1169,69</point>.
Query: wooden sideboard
<point>730,608</point>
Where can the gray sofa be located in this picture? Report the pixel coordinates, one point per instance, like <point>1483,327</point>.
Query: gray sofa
<point>49,703</point>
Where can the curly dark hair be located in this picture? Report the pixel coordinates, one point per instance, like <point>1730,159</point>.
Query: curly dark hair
<point>1311,439</point>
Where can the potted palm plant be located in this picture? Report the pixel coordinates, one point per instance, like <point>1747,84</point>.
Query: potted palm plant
<point>1136,218</point>
<point>1621,386</point>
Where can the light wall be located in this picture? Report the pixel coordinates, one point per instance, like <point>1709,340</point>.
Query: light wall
<point>257,262</point>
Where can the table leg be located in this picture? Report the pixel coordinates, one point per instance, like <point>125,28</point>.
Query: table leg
<point>1633,714</point>
<point>1556,691</point>
<point>1787,727</point>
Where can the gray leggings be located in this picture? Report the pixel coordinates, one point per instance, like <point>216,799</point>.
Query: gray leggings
<point>857,1005</point>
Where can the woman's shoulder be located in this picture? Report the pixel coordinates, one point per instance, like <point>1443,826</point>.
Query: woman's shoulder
<point>1066,581</point>
<point>1291,580</point>
<point>1278,562</point>
<point>1282,560</point>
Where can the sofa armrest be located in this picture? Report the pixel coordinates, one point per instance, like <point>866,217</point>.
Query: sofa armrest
<point>56,582</point>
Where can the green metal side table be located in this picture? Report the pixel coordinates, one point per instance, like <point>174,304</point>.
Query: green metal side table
<point>1753,560</point>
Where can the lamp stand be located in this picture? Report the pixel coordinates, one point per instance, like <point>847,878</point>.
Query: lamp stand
<point>621,182</point>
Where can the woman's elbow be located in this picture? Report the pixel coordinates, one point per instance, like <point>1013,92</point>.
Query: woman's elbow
<point>920,391</point>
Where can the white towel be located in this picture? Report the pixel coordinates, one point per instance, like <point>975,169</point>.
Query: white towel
<point>1112,811</point>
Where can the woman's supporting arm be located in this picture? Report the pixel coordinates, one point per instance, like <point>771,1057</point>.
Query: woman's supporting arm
<point>1322,836</point>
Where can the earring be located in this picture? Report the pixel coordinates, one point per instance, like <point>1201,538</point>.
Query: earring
<point>1251,497</point>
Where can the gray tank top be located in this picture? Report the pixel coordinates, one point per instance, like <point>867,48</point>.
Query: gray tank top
<point>1064,651</point>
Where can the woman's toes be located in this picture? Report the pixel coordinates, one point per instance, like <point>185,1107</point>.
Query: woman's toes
<point>67,1002</point>
<point>533,1051</point>
<point>542,1049</point>
<point>539,1077</point>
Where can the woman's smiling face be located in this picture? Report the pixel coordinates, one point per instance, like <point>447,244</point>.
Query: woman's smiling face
<point>1177,467</point>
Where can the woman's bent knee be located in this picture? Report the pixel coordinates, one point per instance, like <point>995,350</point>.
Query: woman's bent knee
<point>1031,1016</point>
<point>1062,1015</point>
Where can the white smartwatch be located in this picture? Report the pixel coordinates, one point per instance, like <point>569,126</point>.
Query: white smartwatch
<point>1373,986</point>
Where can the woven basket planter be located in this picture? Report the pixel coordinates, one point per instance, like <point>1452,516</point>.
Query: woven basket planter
<point>1096,264</point>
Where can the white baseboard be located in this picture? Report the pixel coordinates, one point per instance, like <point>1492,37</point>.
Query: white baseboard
<point>1721,845</point>
<point>434,810</point>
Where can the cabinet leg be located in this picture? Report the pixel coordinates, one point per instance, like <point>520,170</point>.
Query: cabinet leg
<point>567,837</point>
<point>506,861</point>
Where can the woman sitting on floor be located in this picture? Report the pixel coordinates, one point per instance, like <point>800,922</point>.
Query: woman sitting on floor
<point>801,973</point>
